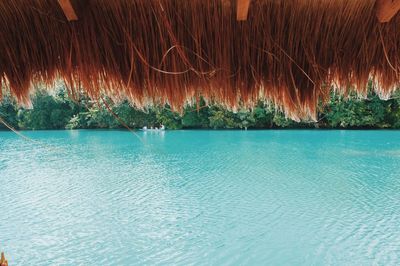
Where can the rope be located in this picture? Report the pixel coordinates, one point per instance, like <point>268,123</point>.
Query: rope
<point>49,147</point>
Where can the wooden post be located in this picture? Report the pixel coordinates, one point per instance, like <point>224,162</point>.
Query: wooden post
<point>242,9</point>
<point>386,9</point>
<point>68,9</point>
<point>3,261</point>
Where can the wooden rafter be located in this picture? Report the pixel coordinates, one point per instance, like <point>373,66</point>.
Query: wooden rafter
<point>68,9</point>
<point>386,9</point>
<point>242,9</point>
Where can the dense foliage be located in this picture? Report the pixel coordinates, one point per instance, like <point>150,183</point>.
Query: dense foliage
<point>58,111</point>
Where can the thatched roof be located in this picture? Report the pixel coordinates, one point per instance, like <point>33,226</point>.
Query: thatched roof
<point>288,51</point>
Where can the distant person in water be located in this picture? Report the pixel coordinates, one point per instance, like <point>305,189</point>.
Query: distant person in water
<point>162,127</point>
<point>145,128</point>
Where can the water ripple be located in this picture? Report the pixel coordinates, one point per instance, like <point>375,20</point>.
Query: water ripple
<point>201,197</point>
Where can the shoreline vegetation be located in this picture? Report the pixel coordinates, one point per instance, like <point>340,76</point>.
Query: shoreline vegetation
<point>58,111</point>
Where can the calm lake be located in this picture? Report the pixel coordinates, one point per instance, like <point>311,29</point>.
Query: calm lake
<point>200,197</point>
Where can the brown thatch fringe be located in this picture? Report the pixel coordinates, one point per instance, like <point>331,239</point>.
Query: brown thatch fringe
<point>288,51</point>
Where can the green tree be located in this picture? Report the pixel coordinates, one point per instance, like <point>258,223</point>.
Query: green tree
<point>245,119</point>
<point>221,118</point>
<point>48,112</point>
<point>196,117</point>
<point>357,113</point>
<point>280,120</point>
<point>263,116</point>
<point>57,110</point>
<point>133,117</point>
<point>168,118</point>
<point>8,112</point>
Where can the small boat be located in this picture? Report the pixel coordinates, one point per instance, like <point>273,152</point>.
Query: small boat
<point>162,128</point>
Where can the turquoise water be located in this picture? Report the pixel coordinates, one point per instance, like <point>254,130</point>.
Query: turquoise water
<point>201,197</point>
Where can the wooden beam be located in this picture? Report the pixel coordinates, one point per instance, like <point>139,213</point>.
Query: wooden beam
<point>386,9</point>
<point>68,9</point>
<point>242,9</point>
